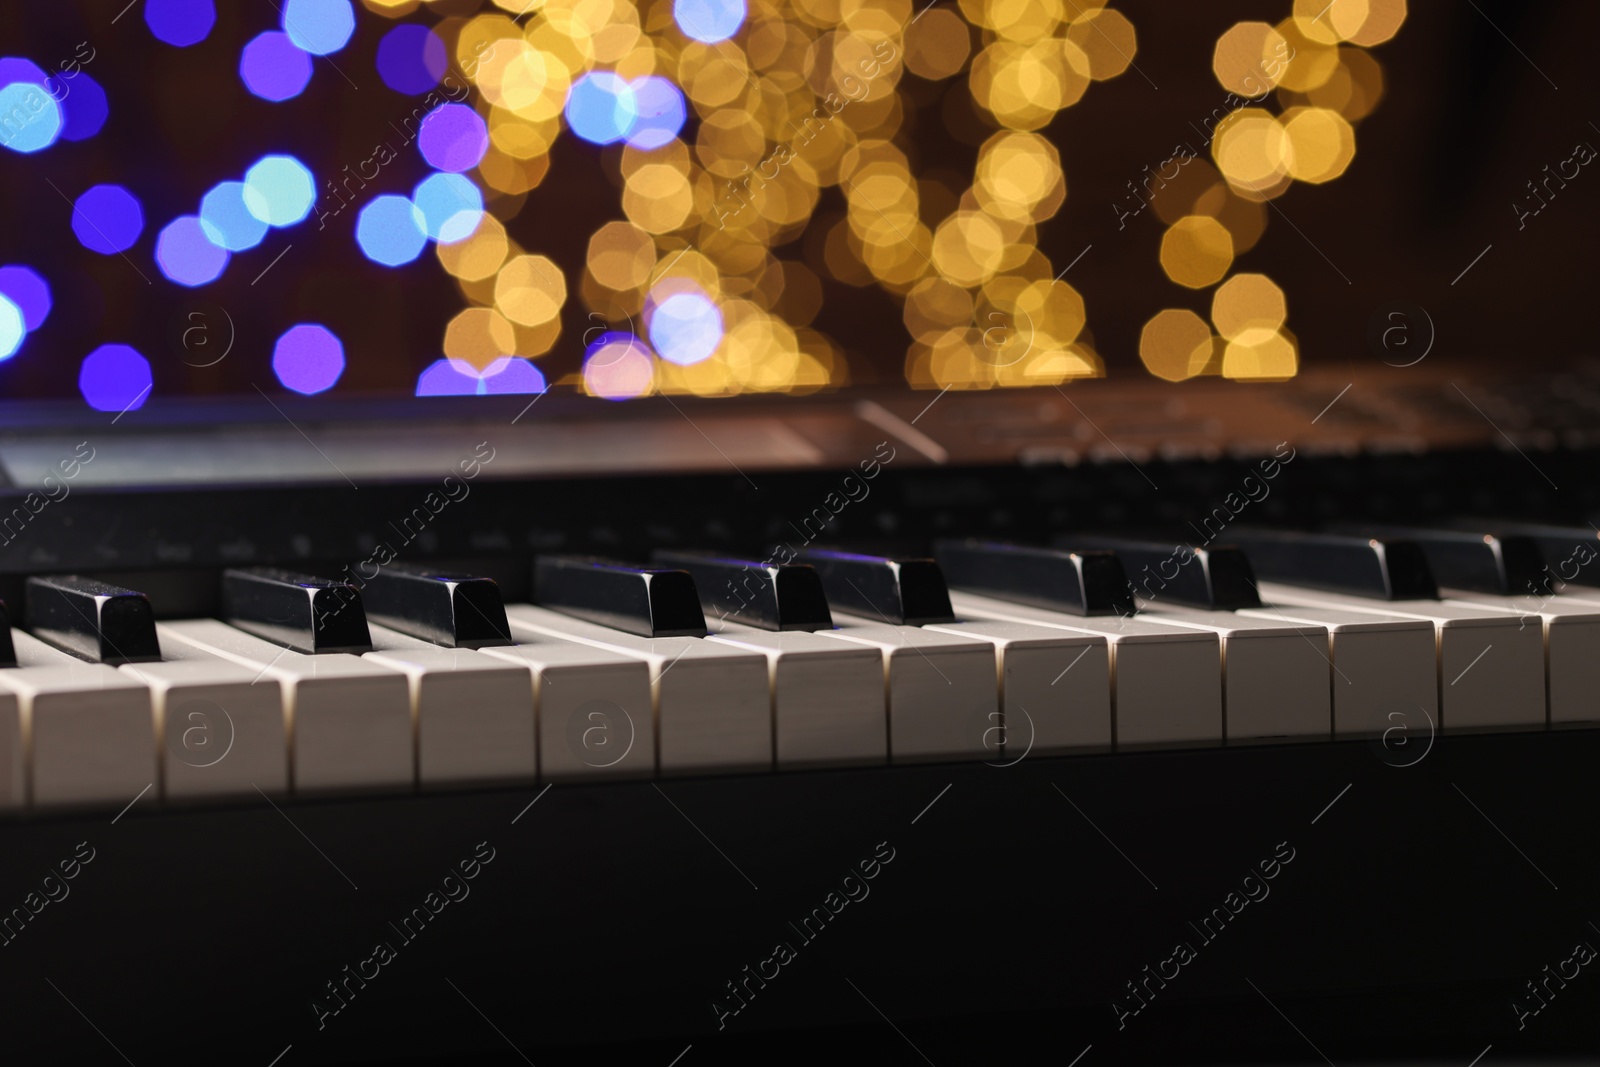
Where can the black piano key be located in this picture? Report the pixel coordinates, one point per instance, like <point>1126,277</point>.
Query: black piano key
<point>449,609</point>
<point>647,601</point>
<point>91,619</point>
<point>8,652</point>
<point>1075,582</point>
<point>1217,577</point>
<point>1479,561</point>
<point>1570,554</point>
<point>298,611</point>
<point>1382,568</point>
<point>766,595</point>
<point>904,591</point>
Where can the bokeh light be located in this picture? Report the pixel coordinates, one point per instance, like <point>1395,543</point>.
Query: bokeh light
<point>411,59</point>
<point>453,137</point>
<point>30,118</point>
<point>84,107</point>
<point>1197,251</point>
<point>686,328</point>
<point>308,358</point>
<point>661,112</point>
<point>1248,307</point>
<point>17,69</point>
<point>451,207</point>
<point>390,231</point>
<point>709,20</point>
<point>455,377</point>
<point>12,327</point>
<point>180,22</point>
<point>1175,344</point>
<point>279,190</point>
<point>273,67</point>
<point>107,219</point>
<point>115,378</point>
<point>320,27</point>
<point>24,287</point>
<point>618,366</point>
<point>227,219</point>
<point>186,254</point>
<point>601,108</point>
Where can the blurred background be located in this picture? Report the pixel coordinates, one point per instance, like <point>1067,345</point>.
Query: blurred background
<point>708,197</point>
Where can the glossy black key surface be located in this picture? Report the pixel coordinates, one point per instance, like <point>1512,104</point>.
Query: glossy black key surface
<point>1570,554</point>
<point>902,591</point>
<point>1078,583</point>
<point>449,609</point>
<point>91,619</point>
<point>1382,568</point>
<point>298,611</point>
<point>1217,577</point>
<point>766,595</point>
<point>1479,561</point>
<point>647,601</point>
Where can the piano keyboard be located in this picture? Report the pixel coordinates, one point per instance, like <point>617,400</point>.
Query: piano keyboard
<point>842,660</point>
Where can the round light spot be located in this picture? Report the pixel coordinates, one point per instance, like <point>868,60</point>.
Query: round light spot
<point>1197,251</point>
<point>529,290</point>
<point>1175,344</point>
<point>451,207</point>
<point>107,219</point>
<point>17,69</point>
<point>661,112</point>
<point>115,378</point>
<point>390,231</point>
<point>686,328</point>
<point>187,255</point>
<point>84,107</point>
<point>511,375</point>
<point>321,27</point>
<point>617,366</point>
<point>274,68</point>
<point>448,377</point>
<point>31,293</point>
<point>1248,307</point>
<point>279,190</point>
<point>601,108</point>
<point>453,137</point>
<point>30,118</point>
<point>12,327</point>
<point>227,219</point>
<point>308,358</point>
<point>180,22</point>
<point>411,59</point>
<point>709,20</point>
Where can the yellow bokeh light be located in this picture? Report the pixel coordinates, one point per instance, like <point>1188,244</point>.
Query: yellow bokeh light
<point>1251,149</point>
<point>1250,58</point>
<point>1321,143</point>
<point>1261,357</point>
<point>1104,43</point>
<point>529,290</point>
<point>1246,304</point>
<point>479,256</point>
<point>937,44</point>
<point>1175,344</point>
<point>621,255</point>
<point>1196,251</point>
<point>479,336</point>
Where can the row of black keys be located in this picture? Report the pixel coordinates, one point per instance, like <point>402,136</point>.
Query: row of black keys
<point>1084,575</point>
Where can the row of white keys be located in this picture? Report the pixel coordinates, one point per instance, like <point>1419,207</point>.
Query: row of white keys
<point>711,700</point>
<point>1497,649</point>
<point>1166,686</point>
<point>1570,622</point>
<point>347,720</point>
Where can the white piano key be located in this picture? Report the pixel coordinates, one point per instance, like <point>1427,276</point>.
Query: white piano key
<point>943,701</point>
<point>712,702</point>
<point>1384,672</point>
<point>348,720</point>
<point>1274,674</point>
<point>1055,686</point>
<point>827,696</point>
<point>1571,629</point>
<point>472,714</point>
<point>218,735</point>
<point>1491,662</point>
<point>1166,681</point>
<point>87,730</point>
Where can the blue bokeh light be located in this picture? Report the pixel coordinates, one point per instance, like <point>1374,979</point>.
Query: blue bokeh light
<point>24,287</point>
<point>709,20</point>
<point>453,137</point>
<point>457,377</point>
<point>107,219</point>
<point>508,374</point>
<point>115,378</point>
<point>227,220</point>
<point>12,327</point>
<point>686,328</point>
<point>451,207</point>
<point>320,27</point>
<point>30,118</point>
<point>180,22</point>
<point>84,107</point>
<point>274,68</point>
<point>308,358</point>
<point>601,107</point>
<point>390,231</point>
<point>187,255</point>
<point>279,190</point>
<point>17,69</point>
<point>411,59</point>
<point>661,112</point>
<point>448,377</point>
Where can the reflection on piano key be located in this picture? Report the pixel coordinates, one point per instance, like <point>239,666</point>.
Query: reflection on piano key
<point>92,620</point>
<point>349,720</point>
<point>1166,682</point>
<point>1474,560</point>
<point>767,596</point>
<point>712,702</point>
<point>1360,566</point>
<point>643,601</point>
<point>1571,554</point>
<point>297,611</point>
<point>453,610</point>
<point>891,591</point>
<point>827,697</point>
<point>1078,583</point>
<point>87,730</point>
